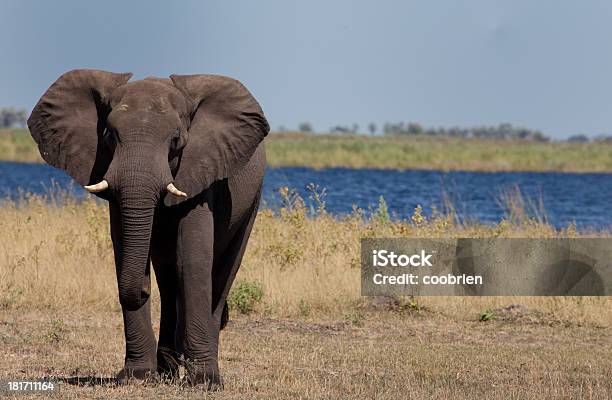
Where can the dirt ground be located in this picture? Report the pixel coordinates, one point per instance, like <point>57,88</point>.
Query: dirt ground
<point>379,354</point>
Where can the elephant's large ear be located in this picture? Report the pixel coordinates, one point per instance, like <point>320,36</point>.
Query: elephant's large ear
<point>69,119</point>
<point>227,125</point>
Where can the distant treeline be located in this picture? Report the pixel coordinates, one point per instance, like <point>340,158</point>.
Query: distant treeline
<point>13,118</point>
<point>17,117</point>
<point>503,131</point>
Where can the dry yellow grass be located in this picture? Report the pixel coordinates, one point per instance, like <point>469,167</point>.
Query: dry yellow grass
<point>54,255</point>
<point>312,335</point>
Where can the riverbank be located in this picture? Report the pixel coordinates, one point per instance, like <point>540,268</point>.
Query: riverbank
<point>446,154</point>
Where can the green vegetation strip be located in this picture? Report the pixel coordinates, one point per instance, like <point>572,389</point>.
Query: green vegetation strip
<point>351,151</point>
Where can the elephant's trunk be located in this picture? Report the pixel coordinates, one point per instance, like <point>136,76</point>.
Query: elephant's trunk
<point>138,175</point>
<point>138,182</point>
<point>137,210</point>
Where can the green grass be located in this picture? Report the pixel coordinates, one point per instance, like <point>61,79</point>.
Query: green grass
<point>447,154</point>
<point>18,145</point>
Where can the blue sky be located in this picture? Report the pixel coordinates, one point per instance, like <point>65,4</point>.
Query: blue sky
<point>541,64</point>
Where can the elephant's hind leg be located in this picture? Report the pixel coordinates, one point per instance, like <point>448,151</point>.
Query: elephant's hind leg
<point>227,265</point>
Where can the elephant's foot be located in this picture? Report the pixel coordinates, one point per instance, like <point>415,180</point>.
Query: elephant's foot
<point>204,376</point>
<point>168,364</point>
<point>137,376</point>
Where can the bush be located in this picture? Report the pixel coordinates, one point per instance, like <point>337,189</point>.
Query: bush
<point>244,295</point>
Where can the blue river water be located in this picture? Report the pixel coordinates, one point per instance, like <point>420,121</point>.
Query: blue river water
<point>561,198</point>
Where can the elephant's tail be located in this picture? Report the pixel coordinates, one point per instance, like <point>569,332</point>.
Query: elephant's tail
<point>224,316</point>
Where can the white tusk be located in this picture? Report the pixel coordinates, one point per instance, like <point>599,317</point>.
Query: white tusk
<point>172,189</point>
<point>98,187</point>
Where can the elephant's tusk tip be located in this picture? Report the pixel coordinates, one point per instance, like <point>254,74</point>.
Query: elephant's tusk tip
<point>172,189</point>
<point>98,187</point>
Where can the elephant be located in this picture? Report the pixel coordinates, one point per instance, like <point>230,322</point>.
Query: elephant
<point>180,162</point>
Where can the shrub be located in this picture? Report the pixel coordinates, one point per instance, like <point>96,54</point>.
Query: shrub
<point>487,315</point>
<point>244,295</point>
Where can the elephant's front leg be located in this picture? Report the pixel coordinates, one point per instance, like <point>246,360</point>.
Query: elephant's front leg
<point>163,255</point>
<point>140,352</point>
<point>195,245</point>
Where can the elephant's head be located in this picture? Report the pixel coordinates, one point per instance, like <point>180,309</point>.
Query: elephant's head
<point>143,142</point>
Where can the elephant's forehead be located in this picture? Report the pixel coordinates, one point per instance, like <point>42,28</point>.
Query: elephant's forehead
<point>148,95</point>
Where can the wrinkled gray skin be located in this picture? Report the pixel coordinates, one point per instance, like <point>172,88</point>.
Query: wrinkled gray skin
<point>203,133</point>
